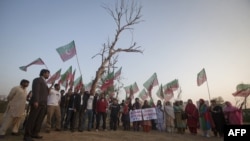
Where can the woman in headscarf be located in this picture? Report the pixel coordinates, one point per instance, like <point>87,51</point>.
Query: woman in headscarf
<point>146,123</point>
<point>193,117</point>
<point>169,117</point>
<point>180,123</point>
<point>160,116</point>
<point>233,114</point>
<point>206,122</point>
<point>136,105</point>
<point>218,118</point>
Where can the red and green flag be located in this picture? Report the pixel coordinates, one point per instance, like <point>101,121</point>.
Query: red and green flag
<point>201,77</point>
<point>127,89</point>
<point>143,94</point>
<point>65,77</point>
<point>78,84</point>
<point>54,77</point>
<point>135,88</point>
<point>151,82</point>
<point>109,81</point>
<point>160,92</point>
<point>242,90</point>
<point>131,90</point>
<point>38,61</point>
<point>118,73</point>
<point>131,94</point>
<point>72,78</point>
<point>67,51</point>
<point>174,85</point>
<point>167,90</point>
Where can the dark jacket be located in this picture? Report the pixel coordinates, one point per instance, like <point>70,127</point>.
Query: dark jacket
<point>40,91</point>
<point>114,109</point>
<point>86,98</point>
<point>75,101</point>
<point>65,101</point>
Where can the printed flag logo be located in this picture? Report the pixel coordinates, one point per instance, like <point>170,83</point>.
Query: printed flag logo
<point>68,51</point>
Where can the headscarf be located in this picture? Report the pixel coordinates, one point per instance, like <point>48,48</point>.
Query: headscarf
<point>233,114</point>
<point>169,109</point>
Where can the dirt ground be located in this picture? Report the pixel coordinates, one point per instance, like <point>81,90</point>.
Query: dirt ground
<point>118,135</point>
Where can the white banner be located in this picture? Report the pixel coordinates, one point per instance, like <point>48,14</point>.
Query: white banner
<point>135,115</point>
<point>149,113</point>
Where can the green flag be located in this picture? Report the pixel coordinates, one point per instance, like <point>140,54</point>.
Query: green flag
<point>78,84</point>
<point>240,87</point>
<point>118,73</point>
<point>201,77</point>
<point>135,88</point>
<point>66,52</point>
<point>54,77</point>
<point>151,82</point>
<point>143,95</point>
<point>38,61</point>
<point>174,85</point>
<point>160,92</point>
<point>66,76</point>
<point>242,90</point>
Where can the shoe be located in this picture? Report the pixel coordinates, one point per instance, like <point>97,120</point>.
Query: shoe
<point>58,130</point>
<point>96,130</point>
<point>27,139</point>
<point>15,134</point>
<point>47,131</point>
<point>37,137</point>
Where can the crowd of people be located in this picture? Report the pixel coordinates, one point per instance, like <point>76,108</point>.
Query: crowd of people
<point>78,110</point>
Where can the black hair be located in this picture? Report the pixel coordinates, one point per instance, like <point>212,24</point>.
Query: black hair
<point>43,71</point>
<point>56,85</point>
<point>24,81</point>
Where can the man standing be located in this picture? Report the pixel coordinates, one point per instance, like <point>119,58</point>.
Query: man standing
<point>54,109</point>
<point>64,105</point>
<point>88,106</point>
<point>15,108</point>
<point>73,111</point>
<point>101,110</point>
<point>38,106</point>
<point>114,112</point>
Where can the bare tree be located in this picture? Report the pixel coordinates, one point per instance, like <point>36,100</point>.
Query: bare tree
<point>126,14</point>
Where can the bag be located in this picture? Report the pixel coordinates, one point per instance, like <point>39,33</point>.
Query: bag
<point>184,116</point>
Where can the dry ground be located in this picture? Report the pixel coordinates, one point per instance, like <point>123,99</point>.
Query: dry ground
<point>114,136</point>
<point>118,135</point>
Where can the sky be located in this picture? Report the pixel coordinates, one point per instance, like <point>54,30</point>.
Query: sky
<point>178,38</point>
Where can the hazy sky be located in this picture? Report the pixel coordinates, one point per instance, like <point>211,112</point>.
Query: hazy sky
<point>179,38</point>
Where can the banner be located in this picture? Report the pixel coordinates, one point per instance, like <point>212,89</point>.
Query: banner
<point>149,113</point>
<point>135,115</point>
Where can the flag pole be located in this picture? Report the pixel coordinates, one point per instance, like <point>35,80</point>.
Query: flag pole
<point>208,92</point>
<point>78,63</point>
